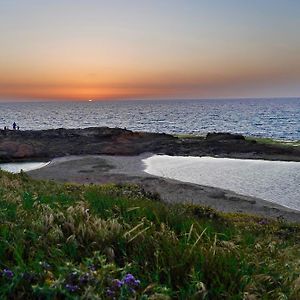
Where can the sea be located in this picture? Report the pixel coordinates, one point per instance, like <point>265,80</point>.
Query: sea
<point>274,118</point>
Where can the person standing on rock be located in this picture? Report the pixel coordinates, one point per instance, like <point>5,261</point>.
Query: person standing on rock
<point>14,126</point>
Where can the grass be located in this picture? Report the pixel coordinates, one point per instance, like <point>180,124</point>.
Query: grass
<point>64,241</point>
<point>270,141</point>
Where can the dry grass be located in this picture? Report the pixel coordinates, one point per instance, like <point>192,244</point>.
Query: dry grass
<point>72,241</point>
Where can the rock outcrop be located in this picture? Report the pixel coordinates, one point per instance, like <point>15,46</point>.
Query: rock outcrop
<point>46,144</point>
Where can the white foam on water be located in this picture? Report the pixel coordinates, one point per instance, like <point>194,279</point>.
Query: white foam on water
<point>275,181</point>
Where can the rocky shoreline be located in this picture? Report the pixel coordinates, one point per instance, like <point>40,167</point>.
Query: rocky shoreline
<point>104,155</point>
<point>30,145</point>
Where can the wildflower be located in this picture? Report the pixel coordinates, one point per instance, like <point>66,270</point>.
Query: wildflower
<point>127,285</point>
<point>137,282</point>
<point>117,283</point>
<point>131,281</point>
<point>128,279</point>
<point>8,273</point>
<point>110,293</point>
<point>85,278</point>
<point>71,288</point>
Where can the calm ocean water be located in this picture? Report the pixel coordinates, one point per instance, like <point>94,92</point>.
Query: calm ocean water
<point>275,118</point>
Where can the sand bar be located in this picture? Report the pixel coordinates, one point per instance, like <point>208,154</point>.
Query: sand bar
<point>129,169</point>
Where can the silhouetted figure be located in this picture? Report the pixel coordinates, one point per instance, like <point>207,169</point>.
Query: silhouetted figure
<point>5,128</point>
<point>18,127</point>
<point>14,126</point>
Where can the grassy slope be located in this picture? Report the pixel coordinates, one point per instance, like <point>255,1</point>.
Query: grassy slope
<point>69,241</point>
<point>267,141</point>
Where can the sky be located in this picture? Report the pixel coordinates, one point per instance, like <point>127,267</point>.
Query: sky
<point>158,49</point>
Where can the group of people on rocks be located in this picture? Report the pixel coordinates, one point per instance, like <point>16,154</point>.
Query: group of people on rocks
<point>14,126</point>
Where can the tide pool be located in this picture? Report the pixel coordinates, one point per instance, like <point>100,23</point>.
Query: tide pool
<point>25,166</point>
<point>275,181</point>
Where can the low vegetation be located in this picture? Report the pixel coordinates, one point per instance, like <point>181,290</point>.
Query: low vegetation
<point>118,242</point>
<point>260,140</point>
<point>270,141</point>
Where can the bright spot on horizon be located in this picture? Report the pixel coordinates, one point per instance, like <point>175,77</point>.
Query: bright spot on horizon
<point>90,100</point>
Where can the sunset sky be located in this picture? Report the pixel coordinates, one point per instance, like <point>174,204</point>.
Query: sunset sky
<point>138,49</point>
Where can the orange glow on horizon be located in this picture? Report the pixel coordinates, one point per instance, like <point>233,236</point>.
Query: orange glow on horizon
<point>133,86</point>
<point>148,49</point>
<point>83,93</point>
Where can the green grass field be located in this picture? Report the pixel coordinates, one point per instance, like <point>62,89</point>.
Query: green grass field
<point>118,242</point>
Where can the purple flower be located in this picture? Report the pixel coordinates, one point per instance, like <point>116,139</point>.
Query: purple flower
<point>131,281</point>
<point>117,283</point>
<point>8,273</point>
<point>137,282</point>
<point>71,288</point>
<point>85,278</point>
<point>127,285</point>
<point>128,279</point>
<point>110,293</point>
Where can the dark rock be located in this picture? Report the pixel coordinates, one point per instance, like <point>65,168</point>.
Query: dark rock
<point>47,144</point>
<point>224,136</point>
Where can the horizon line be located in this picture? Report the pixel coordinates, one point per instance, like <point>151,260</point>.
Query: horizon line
<point>35,100</point>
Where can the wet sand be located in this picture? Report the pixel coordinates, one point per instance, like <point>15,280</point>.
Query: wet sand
<point>130,169</point>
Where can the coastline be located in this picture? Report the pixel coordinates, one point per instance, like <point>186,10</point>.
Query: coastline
<point>44,145</point>
<point>101,169</point>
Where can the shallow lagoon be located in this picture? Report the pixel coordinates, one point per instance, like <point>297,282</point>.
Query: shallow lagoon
<point>275,181</point>
<point>25,166</point>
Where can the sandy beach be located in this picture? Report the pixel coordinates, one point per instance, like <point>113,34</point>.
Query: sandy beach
<point>100,169</point>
